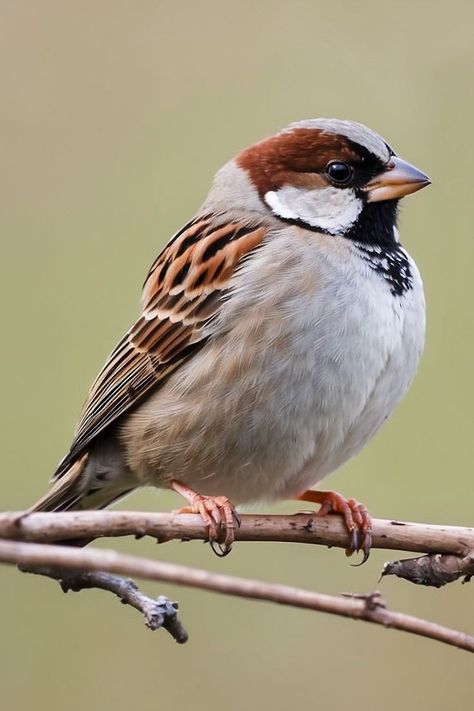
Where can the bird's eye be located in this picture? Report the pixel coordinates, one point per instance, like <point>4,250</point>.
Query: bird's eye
<point>339,172</point>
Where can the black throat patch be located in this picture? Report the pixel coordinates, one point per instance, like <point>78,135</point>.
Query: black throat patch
<point>374,237</point>
<point>391,263</point>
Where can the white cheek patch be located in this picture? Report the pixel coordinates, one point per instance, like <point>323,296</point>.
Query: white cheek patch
<point>334,210</point>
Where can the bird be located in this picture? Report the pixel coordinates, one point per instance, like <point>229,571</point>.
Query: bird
<point>279,328</point>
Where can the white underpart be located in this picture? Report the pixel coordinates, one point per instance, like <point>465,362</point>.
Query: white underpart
<point>305,360</point>
<point>333,210</point>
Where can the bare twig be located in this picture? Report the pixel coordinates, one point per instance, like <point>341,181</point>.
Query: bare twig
<point>159,613</point>
<point>370,608</point>
<point>299,528</point>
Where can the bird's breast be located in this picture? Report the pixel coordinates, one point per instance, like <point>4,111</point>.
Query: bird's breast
<point>307,358</point>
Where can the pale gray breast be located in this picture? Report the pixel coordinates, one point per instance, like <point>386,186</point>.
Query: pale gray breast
<point>304,362</point>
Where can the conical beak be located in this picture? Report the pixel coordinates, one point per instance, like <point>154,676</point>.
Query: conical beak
<point>398,179</point>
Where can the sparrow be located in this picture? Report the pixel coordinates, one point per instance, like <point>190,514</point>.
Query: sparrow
<point>279,328</point>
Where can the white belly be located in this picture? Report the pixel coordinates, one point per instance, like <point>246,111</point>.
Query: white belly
<point>312,355</point>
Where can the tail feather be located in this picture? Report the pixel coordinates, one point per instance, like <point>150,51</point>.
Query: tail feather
<point>65,493</point>
<point>85,485</point>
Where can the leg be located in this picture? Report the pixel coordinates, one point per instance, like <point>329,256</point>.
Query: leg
<point>217,512</point>
<point>356,517</point>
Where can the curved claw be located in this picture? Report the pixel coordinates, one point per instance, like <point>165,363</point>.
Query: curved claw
<point>363,538</point>
<point>237,518</point>
<point>354,542</point>
<point>219,549</point>
<point>218,514</point>
<point>365,548</point>
<point>355,515</point>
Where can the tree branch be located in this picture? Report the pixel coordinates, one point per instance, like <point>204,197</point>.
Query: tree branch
<point>453,546</point>
<point>369,608</point>
<point>298,528</point>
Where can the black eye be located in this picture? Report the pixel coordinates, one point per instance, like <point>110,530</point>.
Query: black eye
<point>339,172</point>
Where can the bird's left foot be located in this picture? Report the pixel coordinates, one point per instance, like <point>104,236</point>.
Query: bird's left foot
<point>217,512</point>
<point>355,515</point>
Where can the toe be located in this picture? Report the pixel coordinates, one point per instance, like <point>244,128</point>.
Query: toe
<point>356,518</point>
<point>213,510</point>
<point>217,512</point>
<point>229,515</point>
<point>211,519</point>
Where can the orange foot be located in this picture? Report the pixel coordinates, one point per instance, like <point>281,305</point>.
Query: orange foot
<point>356,518</point>
<point>217,512</point>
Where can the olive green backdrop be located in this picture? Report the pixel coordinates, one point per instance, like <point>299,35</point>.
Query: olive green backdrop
<point>113,118</point>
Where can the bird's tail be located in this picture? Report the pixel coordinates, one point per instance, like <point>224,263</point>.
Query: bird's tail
<point>65,493</point>
<point>83,486</point>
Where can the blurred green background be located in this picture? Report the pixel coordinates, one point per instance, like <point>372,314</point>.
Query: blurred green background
<point>113,118</point>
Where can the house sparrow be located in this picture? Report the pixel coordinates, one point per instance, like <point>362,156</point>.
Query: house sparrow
<point>279,329</point>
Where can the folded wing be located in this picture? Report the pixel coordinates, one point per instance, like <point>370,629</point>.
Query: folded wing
<point>182,293</point>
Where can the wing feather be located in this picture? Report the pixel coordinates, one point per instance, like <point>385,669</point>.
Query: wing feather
<point>182,293</point>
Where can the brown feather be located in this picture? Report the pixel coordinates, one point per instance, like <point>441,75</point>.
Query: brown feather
<point>183,291</point>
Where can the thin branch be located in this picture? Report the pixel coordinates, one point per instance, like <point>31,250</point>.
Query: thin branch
<point>370,608</point>
<point>159,613</point>
<point>298,528</point>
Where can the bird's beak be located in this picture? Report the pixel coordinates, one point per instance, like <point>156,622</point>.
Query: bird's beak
<point>398,179</point>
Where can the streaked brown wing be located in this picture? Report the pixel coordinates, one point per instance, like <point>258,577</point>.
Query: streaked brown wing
<point>183,291</point>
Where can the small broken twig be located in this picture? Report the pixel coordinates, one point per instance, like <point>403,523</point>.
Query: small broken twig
<point>434,570</point>
<point>159,613</point>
